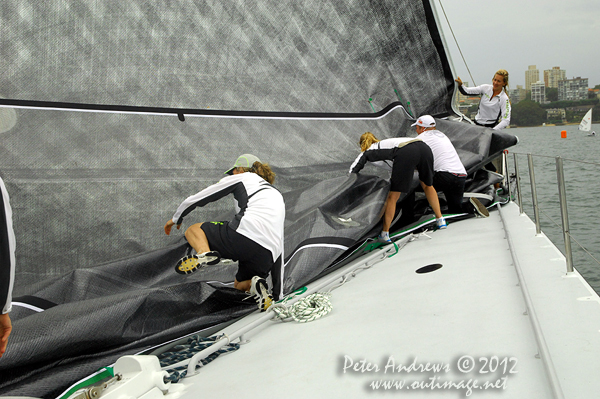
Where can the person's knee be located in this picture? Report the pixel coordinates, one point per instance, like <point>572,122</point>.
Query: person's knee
<point>428,188</point>
<point>394,195</point>
<point>241,285</point>
<point>193,231</point>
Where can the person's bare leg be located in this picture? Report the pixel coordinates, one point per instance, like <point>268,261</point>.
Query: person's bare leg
<point>242,285</point>
<point>390,209</point>
<point>433,199</point>
<point>197,239</point>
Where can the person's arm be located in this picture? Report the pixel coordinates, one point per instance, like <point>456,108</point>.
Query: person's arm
<point>358,163</point>
<point>5,330</point>
<point>468,91</point>
<point>505,111</point>
<point>210,194</point>
<point>383,154</point>
<point>7,266</point>
<point>169,225</point>
<point>7,251</point>
<point>380,154</point>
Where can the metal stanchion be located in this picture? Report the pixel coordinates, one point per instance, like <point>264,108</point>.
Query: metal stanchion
<point>562,194</point>
<point>536,209</point>
<point>509,188</point>
<point>519,198</point>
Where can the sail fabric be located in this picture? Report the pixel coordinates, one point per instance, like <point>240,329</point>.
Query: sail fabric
<point>117,112</point>
<point>586,122</point>
<point>235,55</point>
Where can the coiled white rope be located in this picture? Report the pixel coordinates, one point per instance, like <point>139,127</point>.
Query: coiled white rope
<point>307,309</point>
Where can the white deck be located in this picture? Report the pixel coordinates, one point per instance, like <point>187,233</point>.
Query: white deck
<point>473,306</point>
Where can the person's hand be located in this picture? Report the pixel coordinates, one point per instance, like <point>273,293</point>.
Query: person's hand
<point>457,80</point>
<point>170,225</point>
<point>5,329</point>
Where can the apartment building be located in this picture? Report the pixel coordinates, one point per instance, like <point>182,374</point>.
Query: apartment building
<point>573,89</point>
<point>553,76</point>
<point>532,75</point>
<point>538,92</point>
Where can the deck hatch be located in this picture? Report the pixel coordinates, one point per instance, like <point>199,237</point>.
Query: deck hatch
<point>429,268</point>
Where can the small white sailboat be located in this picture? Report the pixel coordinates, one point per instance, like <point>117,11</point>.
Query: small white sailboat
<point>586,123</point>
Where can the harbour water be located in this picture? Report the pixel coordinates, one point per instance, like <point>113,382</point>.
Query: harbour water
<point>581,170</point>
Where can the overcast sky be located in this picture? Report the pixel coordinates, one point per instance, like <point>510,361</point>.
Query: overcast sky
<point>513,34</point>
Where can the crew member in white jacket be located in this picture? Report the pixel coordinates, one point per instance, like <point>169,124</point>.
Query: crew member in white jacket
<point>7,266</point>
<point>254,237</point>
<point>494,106</point>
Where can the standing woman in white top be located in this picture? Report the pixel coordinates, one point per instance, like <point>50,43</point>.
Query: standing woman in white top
<point>494,106</point>
<point>254,237</point>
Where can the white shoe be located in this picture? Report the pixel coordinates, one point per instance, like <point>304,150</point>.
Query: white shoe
<point>260,291</point>
<point>384,237</point>
<point>191,263</point>
<point>441,223</point>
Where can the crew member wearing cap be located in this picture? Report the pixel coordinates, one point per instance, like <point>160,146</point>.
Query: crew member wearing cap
<point>254,237</point>
<point>450,174</point>
<point>402,155</point>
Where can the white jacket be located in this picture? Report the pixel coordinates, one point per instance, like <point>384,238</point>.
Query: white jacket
<point>491,110</point>
<point>260,208</point>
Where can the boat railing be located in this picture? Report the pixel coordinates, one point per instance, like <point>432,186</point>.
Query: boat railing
<point>521,187</point>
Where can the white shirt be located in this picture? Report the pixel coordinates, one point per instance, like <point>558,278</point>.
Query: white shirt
<point>260,208</point>
<point>491,109</point>
<point>445,157</point>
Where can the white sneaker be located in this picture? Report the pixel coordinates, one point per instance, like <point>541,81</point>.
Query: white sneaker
<point>191,263</point>
<point>384,237</point>
<point>259,289</point>
<point>441,223</point>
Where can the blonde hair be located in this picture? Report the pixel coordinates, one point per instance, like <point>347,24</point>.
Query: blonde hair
<point>261,169</point>
<point>504,74</point>
<point>367,139</point>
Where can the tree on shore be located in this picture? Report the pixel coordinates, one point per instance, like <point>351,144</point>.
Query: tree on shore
<point>527,113</point>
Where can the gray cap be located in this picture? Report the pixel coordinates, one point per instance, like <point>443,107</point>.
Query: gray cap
<point>243,161</point>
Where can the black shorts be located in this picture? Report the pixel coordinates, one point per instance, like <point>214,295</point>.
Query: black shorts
<point>253,259</point>
<point>416,155</point>
<point>453,187</point>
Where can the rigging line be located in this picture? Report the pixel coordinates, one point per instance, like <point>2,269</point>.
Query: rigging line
<point>585,249</point>
<point>456,41</point>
